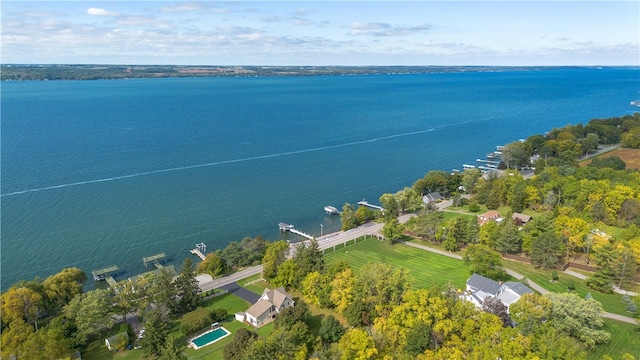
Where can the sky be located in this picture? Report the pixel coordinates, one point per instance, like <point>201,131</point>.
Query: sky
<point>501,33</point>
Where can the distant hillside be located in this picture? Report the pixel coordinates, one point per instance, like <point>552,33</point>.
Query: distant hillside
<point>96,72</point>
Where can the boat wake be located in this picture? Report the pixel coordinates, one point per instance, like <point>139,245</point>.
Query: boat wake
<point>224,162</point>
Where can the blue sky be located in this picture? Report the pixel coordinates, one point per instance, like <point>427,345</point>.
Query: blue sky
<point>321,33</point>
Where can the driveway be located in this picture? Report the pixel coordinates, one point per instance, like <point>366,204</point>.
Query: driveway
<point>241,292</point>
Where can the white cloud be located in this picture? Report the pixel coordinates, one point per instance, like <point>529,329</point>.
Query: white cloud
<point>385,29</point>
<point>102,12</point>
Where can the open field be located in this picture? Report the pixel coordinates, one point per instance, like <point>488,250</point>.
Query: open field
<point>630,156</point>
<point>426,268</point>
<point>625,338</point>
<point>610,302</point>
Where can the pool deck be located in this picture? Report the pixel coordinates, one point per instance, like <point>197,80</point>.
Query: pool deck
<point>196,347</point>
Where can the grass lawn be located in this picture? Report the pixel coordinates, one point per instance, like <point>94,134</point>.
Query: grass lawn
<point>610,302</point>
<point>426,268</point>
<point>625,338</point>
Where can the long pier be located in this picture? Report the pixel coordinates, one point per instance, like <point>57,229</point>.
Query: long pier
<point>290,228</point>
<point>367,204</point>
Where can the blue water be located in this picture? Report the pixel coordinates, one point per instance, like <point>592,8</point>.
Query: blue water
<point>209,337</point>
<point>96,173</point>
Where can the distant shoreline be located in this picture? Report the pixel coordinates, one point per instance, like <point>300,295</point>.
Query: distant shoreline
<point>36,72</point>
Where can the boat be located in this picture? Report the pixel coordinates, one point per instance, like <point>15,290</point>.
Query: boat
<point>330,210</point>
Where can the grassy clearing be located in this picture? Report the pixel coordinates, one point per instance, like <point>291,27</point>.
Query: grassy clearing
<point>610,302</point>
<point>625,338</point>
<point>426,268</point>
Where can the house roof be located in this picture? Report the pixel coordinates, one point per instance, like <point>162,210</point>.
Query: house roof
<point>483,284</point>
<point>269,298</point>
<point>522,217</point>
<point>518,287</point>
<point>490,214</point>
<point>259,308</point>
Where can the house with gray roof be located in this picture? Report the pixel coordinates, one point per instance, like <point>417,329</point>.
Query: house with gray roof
<point>479,288</point>
<point>271,302</point>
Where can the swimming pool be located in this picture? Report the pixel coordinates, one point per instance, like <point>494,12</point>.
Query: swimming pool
<point>209,337</point>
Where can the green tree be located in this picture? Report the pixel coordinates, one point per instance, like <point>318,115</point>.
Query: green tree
<point>578,318</point>
<point>162,292</point>
<point>613,162</point>
<point>60,288</point>
<point>242,340</point>
<point>356,344</point>
<point>348,217</point>
<point>253,250</point>
<point>392,229</point>
<point>173,349</point>
<point>509,239</point>
<point>330,329</point>
<point>390,204</point>
<point>426,225</point>
<point>213,265</point>
<point>195,320</point>
<point>275,255</point>
<point>516,154</point>
<point>156,333</point>
<point>50,342</point>
<point>14,337</point>
<point>91,313</point>
<point>187,289</point>
<point>485,261</point>
<point>20,304</point>
<point>288,274</point>
<point>309,258</point>
<point>545,249</point>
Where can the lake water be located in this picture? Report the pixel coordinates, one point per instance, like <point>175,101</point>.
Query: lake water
<point>96,173</point>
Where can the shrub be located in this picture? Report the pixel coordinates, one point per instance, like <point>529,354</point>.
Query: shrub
<point>554,275</point>
<point>631,307</point>
<point>473,206</point>
<point>195,320</point>
<point>571,285</point>
<point>625,298</point>
<point>218,314</point>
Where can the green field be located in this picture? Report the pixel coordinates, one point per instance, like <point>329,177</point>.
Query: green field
<point>625,338</point>
<point>426,268</point>
<point>610,302</point>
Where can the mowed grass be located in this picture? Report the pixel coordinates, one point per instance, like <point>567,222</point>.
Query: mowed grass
<point>610,302</point>
<point>426,268</point>
<point>625,338</point>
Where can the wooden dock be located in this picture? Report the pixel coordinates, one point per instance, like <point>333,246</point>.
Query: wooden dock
<point>154,259</point>
<point>102,274</point>
<point>367,204</point>
<point>290,228</point>
<point>199,251</point>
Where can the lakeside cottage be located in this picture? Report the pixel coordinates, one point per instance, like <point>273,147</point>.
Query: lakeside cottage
<point>271,302</point>
<point>479,288</point>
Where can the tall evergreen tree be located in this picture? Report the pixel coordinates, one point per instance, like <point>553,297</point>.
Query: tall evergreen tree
<point>156,332</point>
<point>187,290</point>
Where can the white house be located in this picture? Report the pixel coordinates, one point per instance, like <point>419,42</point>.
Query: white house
<point>267,307</point>
<point>479,288</point>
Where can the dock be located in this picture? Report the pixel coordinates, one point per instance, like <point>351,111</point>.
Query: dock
<point>154,259</point>
<point>290,228</point>
<point>199,251</point>
<point>330,210</point>
<point>102,274</point>
<point>372,206</point>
